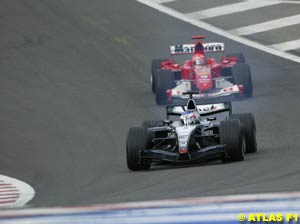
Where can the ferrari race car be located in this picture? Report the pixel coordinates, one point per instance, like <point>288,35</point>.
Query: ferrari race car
<point>196,136</point>
<point>231,77</point>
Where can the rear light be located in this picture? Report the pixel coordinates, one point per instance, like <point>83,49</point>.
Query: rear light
<point>169,92</point>
<point>183,151</point>
<point>241,89</point>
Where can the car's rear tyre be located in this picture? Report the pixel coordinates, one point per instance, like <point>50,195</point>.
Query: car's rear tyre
<point>242,76</point>
<point>152,123</point>
<point>155,65</point>
<point>227,71</point>
<point>240,56</point>
<point>164,81</point>
<point>232,135</point>
<point>249,126</point>
<point>137,139</point>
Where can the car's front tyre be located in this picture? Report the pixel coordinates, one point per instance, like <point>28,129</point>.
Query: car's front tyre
<point>137,140</point>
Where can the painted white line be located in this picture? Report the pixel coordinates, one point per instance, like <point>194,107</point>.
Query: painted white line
<point>292,2</point>
<point>164,1</point>
<point>213,29</point>
<point>286,46</point>
<point>231,8</point>
<point>14,193</point>
<point>269,25</point>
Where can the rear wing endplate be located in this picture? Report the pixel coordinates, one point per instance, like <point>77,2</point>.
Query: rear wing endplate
<point>190,48</point>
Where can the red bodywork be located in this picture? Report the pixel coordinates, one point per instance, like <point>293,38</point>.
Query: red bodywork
<point>202,76</point>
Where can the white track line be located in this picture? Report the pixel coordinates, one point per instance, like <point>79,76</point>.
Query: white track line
<point>292,2</point>
<point>231,8</point>
<point>213,29</point>
<point>269,25</point>
<point>286,46</point>
<point>164,1</point>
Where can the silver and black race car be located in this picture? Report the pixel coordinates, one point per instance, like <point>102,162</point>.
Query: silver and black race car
<point>198,135</point>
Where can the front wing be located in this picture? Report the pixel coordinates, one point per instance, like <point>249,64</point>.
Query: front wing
<point>185,86</point>
<point>214,152</point>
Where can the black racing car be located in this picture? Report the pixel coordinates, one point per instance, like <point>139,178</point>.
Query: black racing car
<point>197,136</point>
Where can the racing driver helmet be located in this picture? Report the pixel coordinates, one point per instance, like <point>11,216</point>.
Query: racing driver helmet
<point>190,117</point>
<point>198,60</point>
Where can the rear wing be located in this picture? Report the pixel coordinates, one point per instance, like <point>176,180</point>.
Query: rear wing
<point>190,48</point>
<point>204,110</point>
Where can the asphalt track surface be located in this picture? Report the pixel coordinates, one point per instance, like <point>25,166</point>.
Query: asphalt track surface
<point>74,76</point>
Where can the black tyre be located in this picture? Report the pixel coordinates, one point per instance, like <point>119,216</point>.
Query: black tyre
<point>137,140</point>
<point>155,65</point>
<point>249,126</point>
<point>152,123</point>
<point>232,135</point>
<point>163,82</point>
<point>240,57</point>
<point>242,76</point>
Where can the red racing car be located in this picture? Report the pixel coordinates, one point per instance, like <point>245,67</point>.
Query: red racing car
<point>213,80</point>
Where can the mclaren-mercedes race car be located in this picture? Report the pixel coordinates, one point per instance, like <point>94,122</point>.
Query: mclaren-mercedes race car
<point>227,79</point>
<point>198,135</point>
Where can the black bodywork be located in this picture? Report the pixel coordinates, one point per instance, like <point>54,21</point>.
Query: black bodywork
<point>204,143</point>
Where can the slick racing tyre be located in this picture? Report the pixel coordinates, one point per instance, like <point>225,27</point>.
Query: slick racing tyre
<point>249,126</point>
<point>152,123</point>
<point>242,76</point>
<point>155,65</point>
<point>232,135</point>
<point>163,82</point>
<point>227,71</point>
<point>240,57</point>
<point>137,139</point>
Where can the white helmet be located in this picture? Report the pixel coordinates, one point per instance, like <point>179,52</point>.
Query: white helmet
<point>199,61</point>
<point>190,117</point>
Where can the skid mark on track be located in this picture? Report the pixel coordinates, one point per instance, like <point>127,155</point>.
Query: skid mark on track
<point>120,40</point>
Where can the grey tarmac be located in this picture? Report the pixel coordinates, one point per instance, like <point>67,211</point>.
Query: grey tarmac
<point>74,76</point>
